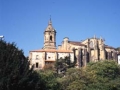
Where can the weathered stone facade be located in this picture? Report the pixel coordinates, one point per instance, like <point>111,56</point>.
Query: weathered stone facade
<point>49,53</point>
<point>92,49</point>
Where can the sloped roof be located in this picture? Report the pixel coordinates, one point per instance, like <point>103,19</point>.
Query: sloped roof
<point>110,47</point>
<point>50,27</point>
<point>76,43</point>
<point>51,50</point>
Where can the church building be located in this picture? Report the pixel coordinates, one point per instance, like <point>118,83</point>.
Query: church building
<point>92,49</point>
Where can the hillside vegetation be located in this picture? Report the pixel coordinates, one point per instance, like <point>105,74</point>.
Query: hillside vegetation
<point>16,75</point>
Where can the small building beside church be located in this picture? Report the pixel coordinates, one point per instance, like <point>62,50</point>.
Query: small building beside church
<point>92,49</point>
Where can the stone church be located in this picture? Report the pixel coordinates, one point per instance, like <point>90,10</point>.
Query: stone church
<point>92,49</point>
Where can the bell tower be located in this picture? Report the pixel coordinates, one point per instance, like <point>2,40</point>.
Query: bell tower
<point>49,36</point>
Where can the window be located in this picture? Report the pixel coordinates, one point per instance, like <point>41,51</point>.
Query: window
<point>50,38</point>
<point>37,57</point>
<point>36,65</point>
<point>91,44</point>
<point>48,57</point>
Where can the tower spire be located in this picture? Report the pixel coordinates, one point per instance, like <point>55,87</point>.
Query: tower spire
<point>50,17</point>
<point>50,21</point>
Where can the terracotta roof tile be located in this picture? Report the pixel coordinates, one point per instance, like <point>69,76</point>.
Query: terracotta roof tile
<point>51,50</point>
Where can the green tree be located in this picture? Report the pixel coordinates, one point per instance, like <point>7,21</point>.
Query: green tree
<point>14,69</point>
<point>61,65</point>
<point>75,78</point>
<point>103,75</point>
<point>105,69</point>
<point>49,78</point>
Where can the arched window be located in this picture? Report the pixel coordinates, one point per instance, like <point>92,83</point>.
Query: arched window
<point>91,44</point>
<point>50,38</point>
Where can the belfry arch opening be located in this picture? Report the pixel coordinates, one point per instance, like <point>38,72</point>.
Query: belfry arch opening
<point>50,38</point>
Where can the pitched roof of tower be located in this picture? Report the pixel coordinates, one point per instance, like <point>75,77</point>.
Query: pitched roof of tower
<point>50,27</point>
